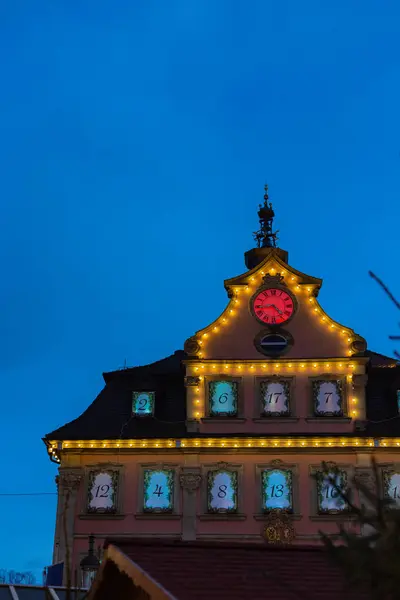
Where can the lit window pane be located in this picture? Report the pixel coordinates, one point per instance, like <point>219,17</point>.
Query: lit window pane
<point>158,490</point>
<point>391,482</point>
<point>143,403</point>
<point>223,398</point>
<point>275,398</point>
<point>222,491</point>
<point>277,489</point>
<point>329,498</point>
<point>328,398</point>
<point>102,491</point>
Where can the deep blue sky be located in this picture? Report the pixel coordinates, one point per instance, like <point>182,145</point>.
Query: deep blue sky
<point>136,138</point>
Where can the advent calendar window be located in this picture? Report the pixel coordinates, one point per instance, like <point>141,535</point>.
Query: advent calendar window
<point>222,491</point>
<point>329,498</point>
<point>275,397</point>
<point>223,398</point>
<point>143,404</point>
<point>102,491</point>
<point>276,489</point>
<point>158,490</point>
<point>391,485</point>
<point>328,397</point>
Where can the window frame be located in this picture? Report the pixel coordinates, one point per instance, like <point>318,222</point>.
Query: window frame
<point>288,382</point>
<point>158,514</point>
<point>392,468</point>
<point>117,471</point>
<point>315,513</point>
<point>273,465</point>
<point>222,515</point>
<point>325,378</point>
<point>136,415</point>
<point>208,379</point>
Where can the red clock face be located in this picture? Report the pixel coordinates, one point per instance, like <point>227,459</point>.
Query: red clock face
<point>273,306</point>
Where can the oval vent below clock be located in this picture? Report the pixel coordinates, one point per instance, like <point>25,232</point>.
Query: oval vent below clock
<point>273,343</point>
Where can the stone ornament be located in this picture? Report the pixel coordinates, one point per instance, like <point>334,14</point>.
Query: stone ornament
<point>192,347</point>
<point>190,481</point>
<point>70,481</point>
<point>192,381</point>
<point>278,529</point>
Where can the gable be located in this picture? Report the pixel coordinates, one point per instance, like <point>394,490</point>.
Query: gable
<point>236,333</point>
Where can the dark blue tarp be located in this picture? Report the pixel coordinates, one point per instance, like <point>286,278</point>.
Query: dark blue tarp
<point>55,574</point>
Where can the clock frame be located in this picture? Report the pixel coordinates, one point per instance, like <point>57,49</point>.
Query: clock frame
<point>277,288</point>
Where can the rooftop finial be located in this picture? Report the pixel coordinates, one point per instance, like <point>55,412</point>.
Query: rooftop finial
<point>265,237</point>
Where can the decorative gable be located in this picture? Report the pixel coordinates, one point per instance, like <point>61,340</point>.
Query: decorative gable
<point>269,304</point>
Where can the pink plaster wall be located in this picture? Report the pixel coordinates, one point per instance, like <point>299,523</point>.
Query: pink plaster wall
<point>312,337</point>
<point>306,528</point>
<point>301,406</point>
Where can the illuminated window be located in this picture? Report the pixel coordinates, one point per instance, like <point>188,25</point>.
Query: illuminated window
<point>143,404</point>
<point>102,491</point>
<point>328,398</point>
<point>275,397</point>
<point>222,491</point>
<point>223,398</point>
<point>158,490</point>
<point>391,485</point>
<point>330,499</point>
<point>276,488</point>
<point>398,401</point>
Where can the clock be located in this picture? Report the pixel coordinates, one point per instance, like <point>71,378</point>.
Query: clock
<point>273,306</point>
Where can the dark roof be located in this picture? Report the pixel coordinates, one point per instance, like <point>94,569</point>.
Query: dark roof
<point>215,570</point>
<point>109,415</point>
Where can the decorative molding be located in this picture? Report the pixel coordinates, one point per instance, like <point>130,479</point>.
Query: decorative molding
<point>190,480</point>
<point>278,529</point>
<point>226,516</point>
<point>223,419</point>
<point>269,420</point>
<point>267,516</point>
<point>192,346</point>
<point>192,381</point>
<point>365,477</point>
<point>70,480</point>
<point>157,515</point>
<point>270,279</point>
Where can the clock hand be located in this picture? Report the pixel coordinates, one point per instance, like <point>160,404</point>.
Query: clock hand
<point>277,309</point>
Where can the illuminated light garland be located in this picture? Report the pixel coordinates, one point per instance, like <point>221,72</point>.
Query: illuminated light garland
<point>294,364</point>
<point>251,285</point>
<point>265,442</point>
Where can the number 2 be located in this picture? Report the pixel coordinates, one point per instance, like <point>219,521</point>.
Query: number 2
<point>142,403</point>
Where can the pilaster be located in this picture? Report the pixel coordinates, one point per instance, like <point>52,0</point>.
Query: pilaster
<point>190,480</point>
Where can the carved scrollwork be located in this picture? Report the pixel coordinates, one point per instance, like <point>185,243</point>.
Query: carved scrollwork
<point>192,347</point>
<point>190,480</point>
<point>269,279</point>
<point>366,478</point>
<point>278,529</point>
<point>192,381</point>
<point>70,481</point>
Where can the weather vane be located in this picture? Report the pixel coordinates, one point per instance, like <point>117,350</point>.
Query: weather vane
<point>265,237</point>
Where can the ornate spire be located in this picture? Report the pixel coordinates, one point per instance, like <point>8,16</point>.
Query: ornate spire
<point>265,237</point>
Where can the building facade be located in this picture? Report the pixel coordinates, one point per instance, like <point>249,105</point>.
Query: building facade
<point>209,443</point>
